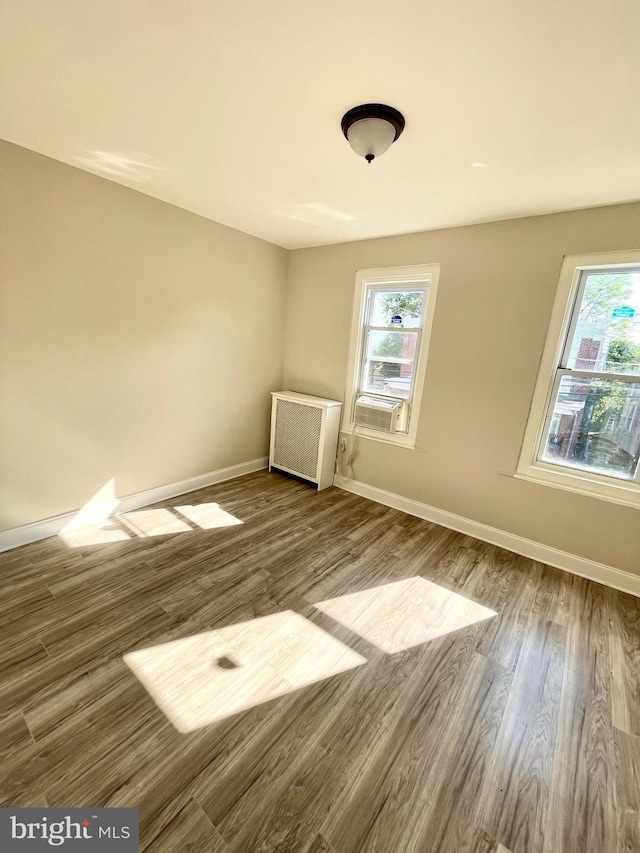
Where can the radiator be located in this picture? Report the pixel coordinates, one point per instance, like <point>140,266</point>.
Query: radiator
<point>304,436</point>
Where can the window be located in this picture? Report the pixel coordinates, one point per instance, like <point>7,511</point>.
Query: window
<point>392,316</point>
<point>584,429</point>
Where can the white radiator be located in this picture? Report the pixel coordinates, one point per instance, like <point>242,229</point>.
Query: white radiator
<point>304,436</point>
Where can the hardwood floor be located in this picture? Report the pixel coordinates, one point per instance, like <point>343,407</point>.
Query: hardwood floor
<point>461,732</point>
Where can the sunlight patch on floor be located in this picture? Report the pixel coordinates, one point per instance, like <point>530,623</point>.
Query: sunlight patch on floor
<point>152,522</point>
<point>407,613</point>
<point>100,533</point>
<point>201,679</point>
<point>97,524</point>
<point>208,516</point>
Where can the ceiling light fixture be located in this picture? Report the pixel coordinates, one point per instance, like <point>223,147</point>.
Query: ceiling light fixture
<point>371,129</point>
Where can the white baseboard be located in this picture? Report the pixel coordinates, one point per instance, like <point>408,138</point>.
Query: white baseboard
<point>607,575</point>
<point>37,530</point>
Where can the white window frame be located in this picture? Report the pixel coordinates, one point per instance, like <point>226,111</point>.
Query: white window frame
<point>626,492</point>
<point>399,278</point>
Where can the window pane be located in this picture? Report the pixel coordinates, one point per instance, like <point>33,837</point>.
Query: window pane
<point>607,336</point>
<point>406,304</point>
<point>388,365</point>
<point>392,345</point>
<point>596,426</point>
<point>392,379</point>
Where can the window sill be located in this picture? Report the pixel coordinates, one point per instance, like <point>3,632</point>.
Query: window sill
<point>625,494</point>
<point>397,439</point>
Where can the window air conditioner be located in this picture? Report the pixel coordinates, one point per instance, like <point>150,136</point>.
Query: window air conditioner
<point>384,415</point>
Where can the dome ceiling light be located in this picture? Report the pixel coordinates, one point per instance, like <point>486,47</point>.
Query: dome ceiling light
<point>371,129</point>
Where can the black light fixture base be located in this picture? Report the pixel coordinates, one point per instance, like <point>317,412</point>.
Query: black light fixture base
<point>393,116</point>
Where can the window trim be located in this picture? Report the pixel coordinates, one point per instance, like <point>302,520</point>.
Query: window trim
<point>626,492</point>
<point>421,275</point>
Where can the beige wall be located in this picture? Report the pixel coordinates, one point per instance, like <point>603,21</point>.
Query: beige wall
<point>140,342</point>
<point>137,341</point>
<point>496,290</point>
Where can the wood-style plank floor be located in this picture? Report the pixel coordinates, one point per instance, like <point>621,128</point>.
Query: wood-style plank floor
<point>518,732</point>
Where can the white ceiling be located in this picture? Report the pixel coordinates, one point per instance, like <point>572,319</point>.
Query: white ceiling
<point>232,109</point>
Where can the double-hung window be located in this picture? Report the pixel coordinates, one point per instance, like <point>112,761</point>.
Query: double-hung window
<point>392,317</point>
<point>584,429</point>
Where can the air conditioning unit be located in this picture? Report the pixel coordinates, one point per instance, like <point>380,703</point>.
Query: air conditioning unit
<point>384,415</point>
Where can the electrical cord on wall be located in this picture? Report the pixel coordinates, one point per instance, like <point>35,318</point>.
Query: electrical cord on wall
<point>348,452</point>
<point>348,455</point>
